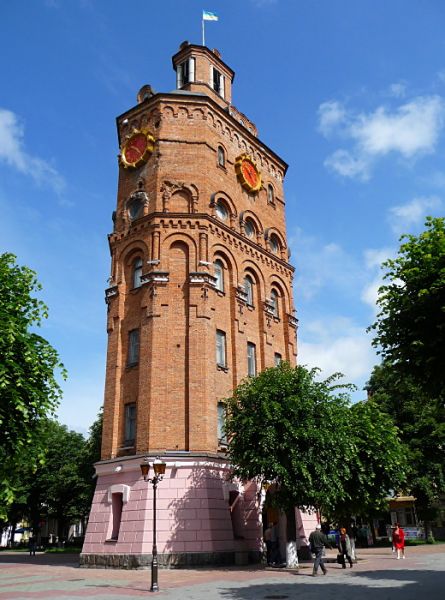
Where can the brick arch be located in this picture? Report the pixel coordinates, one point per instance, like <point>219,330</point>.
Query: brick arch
<point>228,264</point>
<point>251,215</point>
<point>230,203</point>
<point>277,284</point>
<point>274,231</point>
<point>187,239</point>
<point>249,266</point>
<point>188,194</point>
<point>126,257</point>
<point>218,250</point>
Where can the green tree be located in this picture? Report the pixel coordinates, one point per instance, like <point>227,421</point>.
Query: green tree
<point>60,488</point>
<point>421,422</point>
<point>410,328</point>
<point>377,463</point>
<point>286,427</point>
<point>29,391</point>
<point>303,435</point>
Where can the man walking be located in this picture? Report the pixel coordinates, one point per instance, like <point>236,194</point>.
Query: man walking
<point>318,541</point>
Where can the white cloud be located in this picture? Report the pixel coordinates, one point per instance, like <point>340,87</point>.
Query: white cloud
<point>373,259</point>
<point>405,216</point>
<point>321,265</point>
<point>410,130</point>
<point>397,90</point>
<point>336,344</point>
<point>12,153</point>
<point>343,163</point>
<point>331,114</point>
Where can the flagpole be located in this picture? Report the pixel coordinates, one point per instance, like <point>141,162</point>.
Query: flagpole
<point>203,34</point>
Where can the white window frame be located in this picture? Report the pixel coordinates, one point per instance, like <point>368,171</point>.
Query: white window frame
<point>221,353</point>
<point>251,359</point>
<point>137,272</point>
<point>219,275</point>
<point>248,288</point>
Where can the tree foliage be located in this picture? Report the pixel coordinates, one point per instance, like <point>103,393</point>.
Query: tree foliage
<point>286,427</point>
<point>410,328</point>
<point>421,422</point>
<point>29,391</point>
<point>62,486</point>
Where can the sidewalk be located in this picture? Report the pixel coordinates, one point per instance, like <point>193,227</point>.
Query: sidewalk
<point>377,576</point>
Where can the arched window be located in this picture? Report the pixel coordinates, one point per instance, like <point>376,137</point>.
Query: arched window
<point>137,272</point>
<point>274,244</point>
<point>270,194</point>
<point>221,210</point>
<point>249,228</point>
<point>248,288</point>
<point>219,274</point>
<point>274,303</point>
<point>221,157</point>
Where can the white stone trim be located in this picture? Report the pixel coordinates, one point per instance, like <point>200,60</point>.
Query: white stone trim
<point>119,488</point>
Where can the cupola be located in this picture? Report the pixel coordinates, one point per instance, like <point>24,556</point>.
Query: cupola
<point>199,69</point>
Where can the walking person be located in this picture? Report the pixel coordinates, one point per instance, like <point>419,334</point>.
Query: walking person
<point>344,548</point>
<point>32,546</point>
<point>352,537</point>
<point>398,541</point>
<point>318,541</point>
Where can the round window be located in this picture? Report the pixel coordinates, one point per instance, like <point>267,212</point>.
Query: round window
<point>135,209</point>
<point>221,210</point>
<point>274,245</point>
<point>249,229</point>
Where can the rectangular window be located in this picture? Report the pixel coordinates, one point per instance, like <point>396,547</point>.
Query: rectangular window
<point>222,440</point>
<point>220,348</point>
<point>277,359</point>
<point>251,359</point>
<point>185,72</point>
<point>116,514</point>
<point>130,424</point>
<point>133,347</point>
<point>217,81</point>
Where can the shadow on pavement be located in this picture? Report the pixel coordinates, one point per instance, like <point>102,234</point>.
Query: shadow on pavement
<point>22,558</point>
<point>395,584</point>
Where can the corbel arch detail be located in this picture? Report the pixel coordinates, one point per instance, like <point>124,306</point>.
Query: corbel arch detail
<point>171,187</point>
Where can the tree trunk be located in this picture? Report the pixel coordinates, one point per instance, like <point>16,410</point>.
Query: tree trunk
<point>291,543</point>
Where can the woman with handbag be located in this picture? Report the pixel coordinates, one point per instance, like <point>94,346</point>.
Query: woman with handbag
<point>344,549</point>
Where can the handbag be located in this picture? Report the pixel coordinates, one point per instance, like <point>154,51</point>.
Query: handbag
<point>340,559</point>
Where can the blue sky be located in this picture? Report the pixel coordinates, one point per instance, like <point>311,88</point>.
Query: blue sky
<point>351,93</point>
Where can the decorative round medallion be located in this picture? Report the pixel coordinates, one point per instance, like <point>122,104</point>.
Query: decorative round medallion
<point>248,174</point>
<point>136,148</point>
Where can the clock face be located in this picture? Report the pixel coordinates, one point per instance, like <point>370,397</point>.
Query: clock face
<point>248,174</point>
<point>136,149</point>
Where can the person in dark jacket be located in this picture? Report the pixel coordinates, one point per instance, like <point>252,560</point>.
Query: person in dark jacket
<point>344,548</point>
<point>318,541</point>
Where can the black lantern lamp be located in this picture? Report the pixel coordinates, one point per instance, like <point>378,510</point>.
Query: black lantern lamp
<point>159,472</point>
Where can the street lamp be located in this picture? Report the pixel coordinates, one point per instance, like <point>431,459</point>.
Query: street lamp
<point>159,470</point>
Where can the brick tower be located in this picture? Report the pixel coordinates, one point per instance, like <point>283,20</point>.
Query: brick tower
<point>200,297</point>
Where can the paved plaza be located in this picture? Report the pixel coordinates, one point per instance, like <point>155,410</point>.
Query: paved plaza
<point>377,576</point>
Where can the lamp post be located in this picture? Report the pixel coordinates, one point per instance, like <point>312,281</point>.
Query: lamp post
<point>159,471</point>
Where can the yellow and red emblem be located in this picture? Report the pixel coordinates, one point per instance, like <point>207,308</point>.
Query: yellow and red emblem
<point>137,148</point>
<point>248,173</point>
